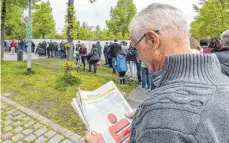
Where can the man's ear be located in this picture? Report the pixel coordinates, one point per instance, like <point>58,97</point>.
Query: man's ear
<point>152,38</point>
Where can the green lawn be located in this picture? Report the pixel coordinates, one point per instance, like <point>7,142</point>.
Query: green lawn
<point>39,93</point>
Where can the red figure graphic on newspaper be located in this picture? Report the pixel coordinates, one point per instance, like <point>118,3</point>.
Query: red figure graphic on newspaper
<point>120,131</point>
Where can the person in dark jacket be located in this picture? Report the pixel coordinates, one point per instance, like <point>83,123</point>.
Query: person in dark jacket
<point>99,47</point>
<point>94,58</point>
<point>105,52</point>
<point>44,47</point>
<point>109,55</point>
<point>48,50</point>
<point>83,54</point>
<point>62,49</point>
<point>33,47</point>
<point>115,49</point>
<point>52,48</point>
<point>223,53</point>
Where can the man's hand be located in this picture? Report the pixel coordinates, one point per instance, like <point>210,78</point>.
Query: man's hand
<point>93,137</point>
<point>131,115</point>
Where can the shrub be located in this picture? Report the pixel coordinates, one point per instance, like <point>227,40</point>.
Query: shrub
<point>69,66</point>
<point>67,80</point>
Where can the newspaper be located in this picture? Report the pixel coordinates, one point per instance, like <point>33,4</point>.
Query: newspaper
<point>103,110</point>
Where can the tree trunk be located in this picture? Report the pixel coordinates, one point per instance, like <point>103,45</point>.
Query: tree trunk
<point>70,29</point>
<point>43,35</point>
<point>3,18</point>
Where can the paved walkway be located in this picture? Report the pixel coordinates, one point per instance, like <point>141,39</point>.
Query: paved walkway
<point>9,57</point>
<point>20,124</point>
<point>137,96</point>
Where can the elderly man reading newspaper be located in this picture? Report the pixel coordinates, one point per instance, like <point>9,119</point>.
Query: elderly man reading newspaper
<point>191,101</point>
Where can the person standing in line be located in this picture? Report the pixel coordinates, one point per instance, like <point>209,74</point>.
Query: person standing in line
<point>78,58</point>
<point>115,49</point>
<point>94,58</point>
<point>33,47</point>
<point>109,55</point>
<point>48,49</point>
<point>78,46</point>
<point>22,45</point>
<point>121,65</point>
<point>55,49</point>
<point>131,57</point>
<point>222,53</point>
<point>51,47</point>
<point>62,49</point>
<point>83,55</point>
<point>12,46</point>
<point>146,77</point>
<point>5,46</point>
<point>99,47</point>
<point>45,48</point>
<point>105,52</point>
<point>59,51</point>
<point>124,48</point>
<point>138,64</point>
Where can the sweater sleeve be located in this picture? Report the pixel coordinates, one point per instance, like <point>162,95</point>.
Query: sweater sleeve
<point>164,136</point>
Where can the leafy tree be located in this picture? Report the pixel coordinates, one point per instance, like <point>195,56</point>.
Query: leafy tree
<point>83,33</point>
<point>15,24</point>
<point>121,16</point>
<point>12,24</point>
<point>42,20</point>
<point>212,19</point>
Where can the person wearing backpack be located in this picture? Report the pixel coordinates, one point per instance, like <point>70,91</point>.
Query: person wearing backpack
<point>121,68</point>
<point>223,53</point>
<point>121,64</point>
<point>94,58</point>
<point>83,54</point>
<point>115,49</point>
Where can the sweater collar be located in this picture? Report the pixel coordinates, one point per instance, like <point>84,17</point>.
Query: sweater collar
<point>192,68</point>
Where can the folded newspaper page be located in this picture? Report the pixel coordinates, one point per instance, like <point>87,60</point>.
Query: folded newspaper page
<point>103,110</point>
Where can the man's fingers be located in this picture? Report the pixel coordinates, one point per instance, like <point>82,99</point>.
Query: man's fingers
<point>130,115</point>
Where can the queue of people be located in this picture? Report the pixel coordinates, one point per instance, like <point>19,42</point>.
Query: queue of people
<point>14,46</point>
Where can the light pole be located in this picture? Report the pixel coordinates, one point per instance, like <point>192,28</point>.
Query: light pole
<point>29,37</point>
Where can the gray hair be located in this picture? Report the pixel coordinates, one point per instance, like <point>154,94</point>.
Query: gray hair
<point>165,18</point>
<point>225,38</point>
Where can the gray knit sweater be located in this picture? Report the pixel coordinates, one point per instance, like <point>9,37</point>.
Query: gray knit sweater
<point>191,104</point>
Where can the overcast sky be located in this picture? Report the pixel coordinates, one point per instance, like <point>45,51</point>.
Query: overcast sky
<point>98,12</point>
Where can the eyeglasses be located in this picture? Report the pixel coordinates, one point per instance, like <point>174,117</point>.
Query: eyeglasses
<point>156,31</point>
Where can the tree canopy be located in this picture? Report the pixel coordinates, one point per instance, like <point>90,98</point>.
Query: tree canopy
<point>42,20</point>
<point>15,23</point>
<point>212,19</point>
<point>120,17</point>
